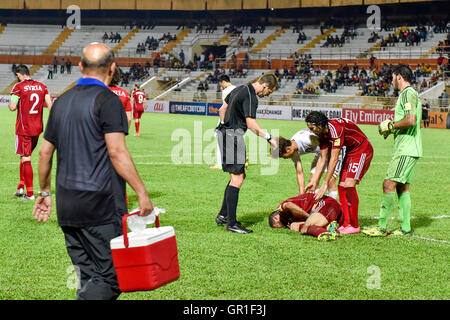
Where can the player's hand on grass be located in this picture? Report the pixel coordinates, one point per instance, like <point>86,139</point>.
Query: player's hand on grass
<point>145,204</point>
<point>385,128</point>
<point>42,208</point>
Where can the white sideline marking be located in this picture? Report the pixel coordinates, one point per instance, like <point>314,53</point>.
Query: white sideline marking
<point>430,239</point>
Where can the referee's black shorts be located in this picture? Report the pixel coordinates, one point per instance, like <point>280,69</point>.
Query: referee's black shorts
<point>232,146</point>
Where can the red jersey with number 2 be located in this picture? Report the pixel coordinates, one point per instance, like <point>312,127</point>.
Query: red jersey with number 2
<point>138,100</point>
<point>29,109</point>
<point>124,97</point>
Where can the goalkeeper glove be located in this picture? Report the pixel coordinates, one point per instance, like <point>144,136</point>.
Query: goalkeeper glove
<point>386,127</point>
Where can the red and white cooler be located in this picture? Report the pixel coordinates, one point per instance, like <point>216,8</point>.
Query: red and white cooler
<point>145,260</point>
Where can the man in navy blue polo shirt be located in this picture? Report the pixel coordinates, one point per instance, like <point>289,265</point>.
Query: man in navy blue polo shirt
<point>87,126</point>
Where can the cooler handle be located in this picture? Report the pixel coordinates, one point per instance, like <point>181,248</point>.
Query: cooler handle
<point>125,229</point>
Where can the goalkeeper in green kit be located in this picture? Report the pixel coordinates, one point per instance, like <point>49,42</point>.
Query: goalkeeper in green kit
<point>407,151</point>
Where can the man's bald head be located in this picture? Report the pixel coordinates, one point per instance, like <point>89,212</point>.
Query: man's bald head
<point>97,57</point>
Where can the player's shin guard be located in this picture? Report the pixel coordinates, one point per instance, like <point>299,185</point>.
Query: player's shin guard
<point>344,206</point>
<point>232,197</point>
<point>223,210</point>
<point>315,230</point>
<point>386,209</point>
<point>28,177</point>
<point>353,203</point>
<point>21,178</point>
<point>136,126</point>
<point>404,207</point>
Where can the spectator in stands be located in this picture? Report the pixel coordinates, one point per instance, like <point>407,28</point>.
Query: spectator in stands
<point>69,66</point>
<point>63,65</point>
<point>55,65</point>
<point>50,72</point>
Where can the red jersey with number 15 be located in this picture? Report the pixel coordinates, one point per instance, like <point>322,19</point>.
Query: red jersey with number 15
<point>139,100</point>
<point>124,97</point>
<point>343,132</point>
<point>29,109</point>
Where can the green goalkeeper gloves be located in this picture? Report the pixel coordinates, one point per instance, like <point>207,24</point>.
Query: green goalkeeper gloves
<point>386,127</point>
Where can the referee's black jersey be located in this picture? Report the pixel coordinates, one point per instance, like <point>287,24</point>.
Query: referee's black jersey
<point>89,191</point>
<point>242,103</point>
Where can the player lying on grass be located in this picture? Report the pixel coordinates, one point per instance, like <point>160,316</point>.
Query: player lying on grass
<point>303,214</point>
<point>303,142</point>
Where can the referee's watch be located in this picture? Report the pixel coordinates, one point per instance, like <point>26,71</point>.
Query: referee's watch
<point>45,194</point>
<point>268,137</point>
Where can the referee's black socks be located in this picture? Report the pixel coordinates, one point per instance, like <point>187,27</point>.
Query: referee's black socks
<point>223,210</point>
<point>231,198</point>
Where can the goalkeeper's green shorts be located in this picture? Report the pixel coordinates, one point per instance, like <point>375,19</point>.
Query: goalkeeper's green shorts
<point>401,169</point>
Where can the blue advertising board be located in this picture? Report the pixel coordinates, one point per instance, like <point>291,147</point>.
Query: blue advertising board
<point>196,108</point>
<point>213,109</point>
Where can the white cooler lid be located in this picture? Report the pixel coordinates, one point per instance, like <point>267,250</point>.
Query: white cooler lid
<point>144,238</point>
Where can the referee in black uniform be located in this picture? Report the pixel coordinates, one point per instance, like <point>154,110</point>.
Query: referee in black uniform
<point>238,114</point>
<point>87,126</point>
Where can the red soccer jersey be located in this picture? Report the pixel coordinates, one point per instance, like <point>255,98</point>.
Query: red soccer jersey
<point>29,109</point>
<point>124,97</point>
<point>138,100</point>
<point>343,132</point>
<point>327,206</point>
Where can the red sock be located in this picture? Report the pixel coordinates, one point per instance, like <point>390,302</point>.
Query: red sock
<point>28,177</point>
<point>22,179</point>
<point>353,202</point>
<point>315,230</point>
<point>136,126</point>
<point>300,226</point>
<point>344,221</point>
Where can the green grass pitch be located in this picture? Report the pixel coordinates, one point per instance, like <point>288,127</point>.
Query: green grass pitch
<point>267,264</point>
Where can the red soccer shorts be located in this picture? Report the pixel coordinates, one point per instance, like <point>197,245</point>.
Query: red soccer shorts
<point>329,208</point>
<point>137,113</point>
<point>357,163</point>
<point>25,145</point>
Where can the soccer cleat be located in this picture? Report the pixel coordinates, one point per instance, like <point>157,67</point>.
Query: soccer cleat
<point>326,236</point>
<point>19,192</point>
<point>25,197</point>
<point>400,232</point>
<point>350,230</point>
<point>341,228</point>
<point>216,167</point>
<point>333,228</point>
<point>238,228</point>
<point>220,219</point>
<point>375,232</point>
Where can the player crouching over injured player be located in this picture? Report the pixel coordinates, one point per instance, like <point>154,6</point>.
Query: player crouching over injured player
<point>301,213</point>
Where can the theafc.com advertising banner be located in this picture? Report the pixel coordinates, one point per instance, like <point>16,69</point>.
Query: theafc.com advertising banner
<point>195,108</point>
<point>300,113</point>
<point>273,112</point>
<point>366,116</point>
<point>157,106</point>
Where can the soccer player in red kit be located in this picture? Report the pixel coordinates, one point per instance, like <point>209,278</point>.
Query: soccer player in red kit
<point>138,99</point>
<point>28,98</point>
<point>335,134</point>
<point>121,93</point>
<point>302,213</point>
